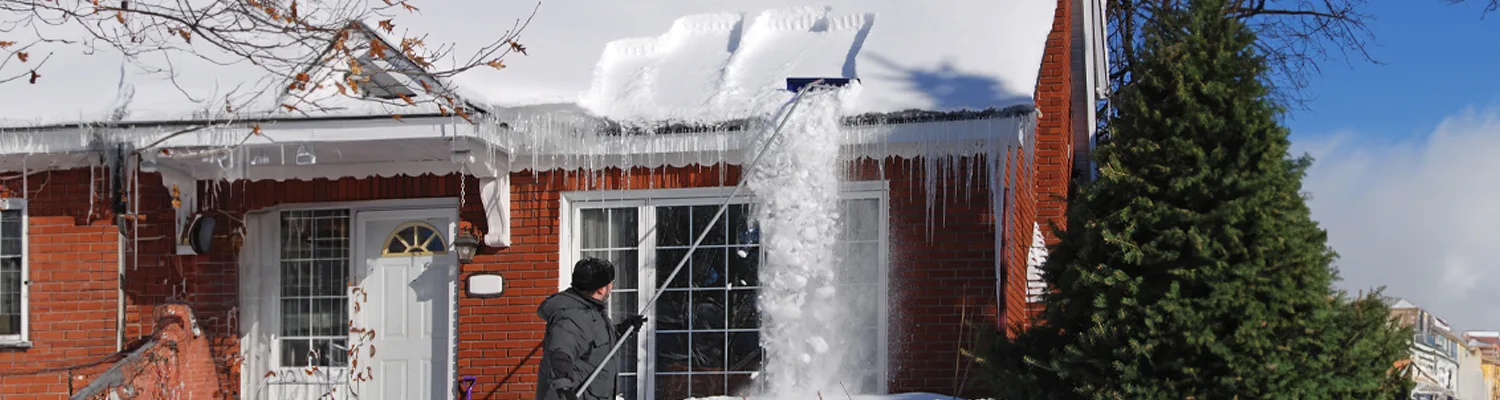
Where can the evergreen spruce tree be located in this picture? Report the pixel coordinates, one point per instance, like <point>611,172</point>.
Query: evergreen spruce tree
<point>1191,268</point>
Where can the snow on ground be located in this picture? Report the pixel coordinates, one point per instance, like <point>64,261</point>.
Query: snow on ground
<point>902,396</point>
<point>649,59</point>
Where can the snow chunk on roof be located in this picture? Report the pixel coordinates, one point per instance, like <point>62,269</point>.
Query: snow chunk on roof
<point>661,59</point>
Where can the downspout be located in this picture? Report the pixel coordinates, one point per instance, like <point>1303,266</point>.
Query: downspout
<point>120,289</point>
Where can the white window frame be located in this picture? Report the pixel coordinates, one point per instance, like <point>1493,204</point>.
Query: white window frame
<point>645,200</point>
<point>22,339</point>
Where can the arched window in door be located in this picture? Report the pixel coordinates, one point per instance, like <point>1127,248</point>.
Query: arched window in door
<point>414,238</point>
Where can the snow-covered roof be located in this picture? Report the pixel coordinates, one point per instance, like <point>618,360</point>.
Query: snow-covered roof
<point>655,59</point>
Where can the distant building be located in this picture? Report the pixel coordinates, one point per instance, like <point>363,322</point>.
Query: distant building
<point>1488,344</point>
<point>1437,355</point>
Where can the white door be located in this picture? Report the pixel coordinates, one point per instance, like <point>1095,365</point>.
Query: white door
<point>405,266</point>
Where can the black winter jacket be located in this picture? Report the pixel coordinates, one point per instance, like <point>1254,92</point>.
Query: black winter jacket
<point>579,336</point>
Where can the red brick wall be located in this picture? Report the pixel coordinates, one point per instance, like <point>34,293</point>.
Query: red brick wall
<point>943,286</point>
<point>1021,215</point>
<point>1054,148</point>
<point>73,289</point>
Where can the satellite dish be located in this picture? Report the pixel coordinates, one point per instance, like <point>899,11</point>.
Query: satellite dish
<point>201,234</point>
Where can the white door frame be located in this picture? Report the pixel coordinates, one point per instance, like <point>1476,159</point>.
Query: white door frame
<point>261,250</point>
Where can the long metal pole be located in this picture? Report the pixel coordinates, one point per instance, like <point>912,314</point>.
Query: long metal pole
<point>722,207</point>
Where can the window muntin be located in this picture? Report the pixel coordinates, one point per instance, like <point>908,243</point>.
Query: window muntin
<point>716,348</point>
<point>315,246</point>
<point>12,274</point>
<point>668,221</point>
<point>414,239</point>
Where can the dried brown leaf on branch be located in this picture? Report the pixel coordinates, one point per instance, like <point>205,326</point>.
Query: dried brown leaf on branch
<point>377,48</point>
<point>281,37</point>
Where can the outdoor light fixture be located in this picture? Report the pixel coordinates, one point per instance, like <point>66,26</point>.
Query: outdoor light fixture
<point>305,155</point>
<point>147,165</point>
<point>465,245</point>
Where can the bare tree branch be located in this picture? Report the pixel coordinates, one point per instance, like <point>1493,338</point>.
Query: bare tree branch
<point>306,48</point>
<point>1489,6</point>
<point>1295,36</point>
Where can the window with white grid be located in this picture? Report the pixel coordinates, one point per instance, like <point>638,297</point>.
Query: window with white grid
<point>314,280</point>
<point>13,312</point>
<point>703,338</point>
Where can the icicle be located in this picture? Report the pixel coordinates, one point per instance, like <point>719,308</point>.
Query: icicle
<point>93,186</point>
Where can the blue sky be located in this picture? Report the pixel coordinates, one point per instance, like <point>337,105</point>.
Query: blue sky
<point>1406,178</point>
<point>1437,58</point>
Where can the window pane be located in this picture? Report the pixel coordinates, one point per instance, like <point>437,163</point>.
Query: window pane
<point>672,224</point>
<point>295,318</point>
<point>431,239</point>
<point>672,311</point>
<point>744,267</point>
<point>708,352</point>
<point>10,296</point>
<point>860,219</point>
<point>666,261</point>
<point>10,223</point>
<point>860,263</point>
<point>745,351</point>
<point>338,353</point>
<point>671,352</point>
<point>701,216</point>
<point>708,268</point>
<point>294,352</point>
<point>629,355</point>
<point>671,387</point>
<point>627,273</point>
<point>742,226</point>
<point>593,229</point>
<point>10,245</point>
<point>622,305</point>
<point>708,309</point>
<point>743,313</point>
<point>625,224</point>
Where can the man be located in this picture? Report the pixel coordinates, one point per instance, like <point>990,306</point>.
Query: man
<point>579,336</point>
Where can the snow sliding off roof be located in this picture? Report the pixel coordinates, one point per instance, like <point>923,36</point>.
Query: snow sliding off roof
<point>637,60</point>
<point>671,59</point>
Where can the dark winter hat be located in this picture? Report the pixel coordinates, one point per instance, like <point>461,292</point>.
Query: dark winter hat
<point>590,274</point>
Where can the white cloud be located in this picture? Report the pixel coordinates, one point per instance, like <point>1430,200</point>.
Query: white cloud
<point>1420,217</point>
